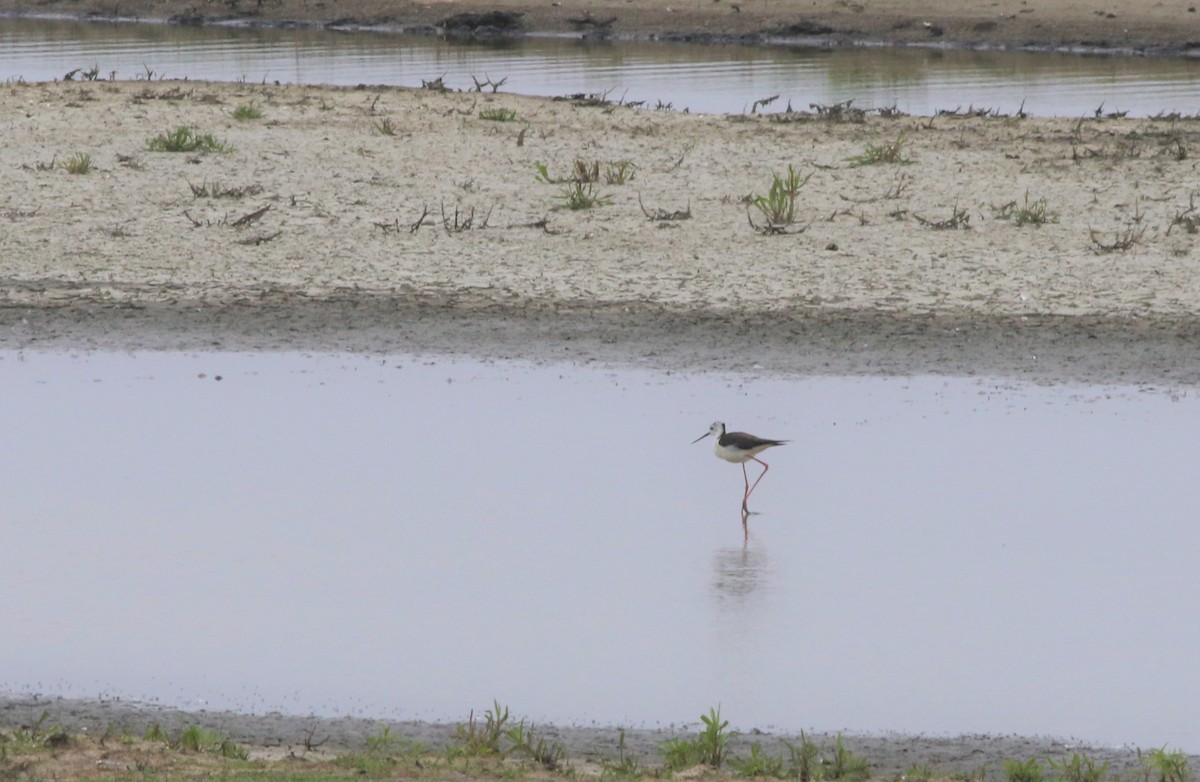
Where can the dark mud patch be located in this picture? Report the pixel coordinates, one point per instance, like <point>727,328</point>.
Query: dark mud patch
<point>489,23</point>
<point>1095,350</point>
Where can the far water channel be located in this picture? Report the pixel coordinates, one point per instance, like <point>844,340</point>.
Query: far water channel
<point>411,538</point>
<point>699,78</point>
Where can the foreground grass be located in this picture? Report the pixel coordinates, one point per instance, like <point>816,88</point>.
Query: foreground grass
<point>496,746</point>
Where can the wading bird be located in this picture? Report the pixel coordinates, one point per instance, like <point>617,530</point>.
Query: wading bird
<point>739,448</point>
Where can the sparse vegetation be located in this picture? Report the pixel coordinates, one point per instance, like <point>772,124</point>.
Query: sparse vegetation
<point>625,765</point>
<point>1035,212</point>
<point>215,189</point>
<point>585,172</point>
<point>844,764</point>
<point>498,114</point>
<point>1023,770</point>
<point>1161,765</point>
<point>579,190</point>
<point>582,195</point>
<point>474,740</point>
<point>613,172</point>
<point>195,738</point>
<point>186,139</point>
<point>496,746</point>
<point>757,764</point>
<point>919,772</point>
<point>527,742</point>
<point>778,206</point>
<point>384,126</point>
<point>959,218</point>
<point>1123,238</point>
<point>246,112</point>
<point>1079,768</point>
<point>891,152</point>
<point>618,172</point>
<point>78,163</point>
<point>664,215</point>
<point>707,748</point>
<point>805,759</point>
<point>1188,218</point>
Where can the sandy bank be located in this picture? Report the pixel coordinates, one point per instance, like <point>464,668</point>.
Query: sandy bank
<point>395,220</point>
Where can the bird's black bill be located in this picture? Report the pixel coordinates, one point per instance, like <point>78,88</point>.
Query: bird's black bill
<point>701,437</point>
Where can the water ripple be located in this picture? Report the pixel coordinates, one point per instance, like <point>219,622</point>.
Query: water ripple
<point>711,78</point>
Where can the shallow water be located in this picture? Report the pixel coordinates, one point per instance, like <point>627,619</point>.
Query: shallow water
<point>701,78</point>
<point>411,538</point>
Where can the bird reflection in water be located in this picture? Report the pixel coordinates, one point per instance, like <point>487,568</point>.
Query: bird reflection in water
<point>738,572</point>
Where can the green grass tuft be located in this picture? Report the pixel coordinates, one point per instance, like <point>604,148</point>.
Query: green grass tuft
<point>78,163</point>
<point>778,206</point>
<point>498,115</point>
<point>186,139</point>
<point>758,764</point>
<point>582,195</point>
<point>1023,771</point>
<point>1036,212</point>
<point>1079,768</point>
<point>474,740</point>
<point>1163,766</point>
<point>708,748</point>
<point>248,111</point>
<point>891,152</point>
<point>384,127</point>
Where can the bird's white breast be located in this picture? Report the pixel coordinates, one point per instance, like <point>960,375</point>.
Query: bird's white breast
<point>735,455</point>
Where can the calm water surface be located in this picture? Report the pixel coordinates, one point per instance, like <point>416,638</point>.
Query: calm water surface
<point>724,78</point>
<point>411,538</point>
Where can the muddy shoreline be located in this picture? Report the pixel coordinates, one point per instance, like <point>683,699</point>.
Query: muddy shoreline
<point>889,755</point>
<point>1120,27</point>
<point>1042,349</point>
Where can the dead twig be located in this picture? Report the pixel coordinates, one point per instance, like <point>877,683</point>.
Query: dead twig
<point>1122,239</point>
<point>465,112</point>
<point>1188,218</point>
<point>959,218</point>
<point>412,229</point>
<point>762,103</point>
<point>543,223</point>
<point>688,148</point>
<point>660,215</point>
<point>251,217</point>
<point>463,220</point>
<point>487,82</point>
<point>260,239</point>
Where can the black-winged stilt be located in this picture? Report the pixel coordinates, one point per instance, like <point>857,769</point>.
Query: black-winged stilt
<point>739,448</point>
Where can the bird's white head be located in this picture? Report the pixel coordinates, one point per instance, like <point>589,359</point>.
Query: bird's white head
<point>716,430</point>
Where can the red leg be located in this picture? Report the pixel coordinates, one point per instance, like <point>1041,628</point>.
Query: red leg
<point>760,476</point>
<point>746,495</point>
